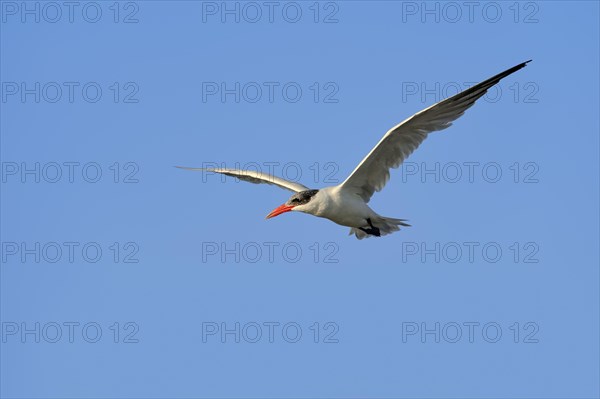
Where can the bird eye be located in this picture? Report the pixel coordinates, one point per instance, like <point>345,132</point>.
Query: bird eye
<point>295,200</point>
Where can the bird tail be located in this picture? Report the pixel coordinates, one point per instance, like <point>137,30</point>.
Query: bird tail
<point>385,225</point>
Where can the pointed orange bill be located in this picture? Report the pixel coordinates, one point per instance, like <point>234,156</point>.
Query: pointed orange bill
<point>279,210</point>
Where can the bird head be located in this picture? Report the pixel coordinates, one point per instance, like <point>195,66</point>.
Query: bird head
<point>297,202</point>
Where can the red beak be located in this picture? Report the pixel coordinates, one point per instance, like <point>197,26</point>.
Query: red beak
<point>279,210</point>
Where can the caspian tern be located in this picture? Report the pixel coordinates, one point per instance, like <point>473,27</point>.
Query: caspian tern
<point>346,203</point>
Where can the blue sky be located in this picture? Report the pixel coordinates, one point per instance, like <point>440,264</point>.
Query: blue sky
<point>122,276</point>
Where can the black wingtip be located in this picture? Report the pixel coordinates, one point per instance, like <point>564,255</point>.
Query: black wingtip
<point>521,65</point>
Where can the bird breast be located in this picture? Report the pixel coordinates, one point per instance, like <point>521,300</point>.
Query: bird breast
<point>339,207</point>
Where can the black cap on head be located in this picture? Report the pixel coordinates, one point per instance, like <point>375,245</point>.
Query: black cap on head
<point>301,198</point>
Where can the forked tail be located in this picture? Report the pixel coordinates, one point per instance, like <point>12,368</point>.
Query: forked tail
<point>384,226</point>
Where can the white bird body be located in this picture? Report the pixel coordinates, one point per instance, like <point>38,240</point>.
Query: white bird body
<point>347,203</point>
<point>339,206</point>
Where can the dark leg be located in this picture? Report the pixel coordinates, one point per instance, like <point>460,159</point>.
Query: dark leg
<point>374,231</point>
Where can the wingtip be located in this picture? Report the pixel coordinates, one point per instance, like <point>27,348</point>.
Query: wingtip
<point>188,168</point>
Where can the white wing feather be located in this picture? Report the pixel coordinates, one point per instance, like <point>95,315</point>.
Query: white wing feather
<point>400,141</point>
<point>253,177</point>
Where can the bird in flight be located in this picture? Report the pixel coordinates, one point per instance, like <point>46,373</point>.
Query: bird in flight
<point>346,203</point>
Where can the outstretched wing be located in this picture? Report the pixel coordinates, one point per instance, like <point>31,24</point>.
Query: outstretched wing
<point>400,141</point>
<point>253,177</point>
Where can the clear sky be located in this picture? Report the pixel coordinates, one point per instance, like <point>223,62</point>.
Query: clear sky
<point>122,276</point>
